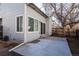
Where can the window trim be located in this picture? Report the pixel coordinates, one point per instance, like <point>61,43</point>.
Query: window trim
<point>16,24</point>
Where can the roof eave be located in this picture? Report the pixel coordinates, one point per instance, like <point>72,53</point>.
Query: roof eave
<point>33,6</point>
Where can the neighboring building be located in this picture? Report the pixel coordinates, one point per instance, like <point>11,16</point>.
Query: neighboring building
<point>73,26</point>
<point>24,22</point>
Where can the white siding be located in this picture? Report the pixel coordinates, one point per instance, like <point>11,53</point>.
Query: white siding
<point>32,13</point>
<point>50,26</point>
<point>8,12</point>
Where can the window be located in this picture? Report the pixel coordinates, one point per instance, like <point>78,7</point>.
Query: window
<point>36,25</point>
<point>19,24</point>
<point>33,24</point>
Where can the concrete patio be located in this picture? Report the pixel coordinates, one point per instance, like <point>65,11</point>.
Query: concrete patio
<point>51,46</point>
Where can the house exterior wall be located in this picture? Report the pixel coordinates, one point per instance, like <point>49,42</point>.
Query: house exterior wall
<point>36,34</point>
<point>8,13</point>
<point>49,26</point>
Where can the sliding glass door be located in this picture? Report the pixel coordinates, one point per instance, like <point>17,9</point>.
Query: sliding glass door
<point>42,28</point>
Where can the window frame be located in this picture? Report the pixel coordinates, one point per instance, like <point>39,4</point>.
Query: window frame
<point>16,24</point>
<point>34,25</point>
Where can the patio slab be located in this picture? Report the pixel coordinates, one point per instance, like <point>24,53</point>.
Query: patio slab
<point>52,46</point>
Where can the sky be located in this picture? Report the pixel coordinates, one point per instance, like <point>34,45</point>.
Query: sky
<point>40,6</point>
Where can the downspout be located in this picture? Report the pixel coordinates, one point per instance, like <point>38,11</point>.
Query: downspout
<point>25,23</point>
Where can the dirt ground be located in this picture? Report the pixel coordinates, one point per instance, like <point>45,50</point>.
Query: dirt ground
<point>5,46</point>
